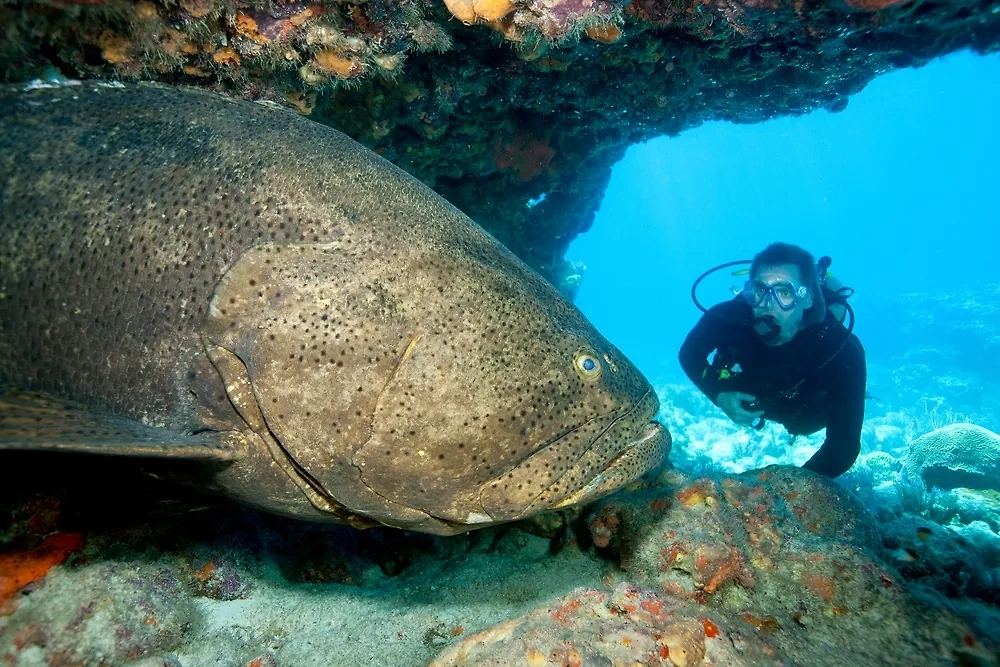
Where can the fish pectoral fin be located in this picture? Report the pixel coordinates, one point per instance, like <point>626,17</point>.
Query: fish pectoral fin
<point>36,421</point>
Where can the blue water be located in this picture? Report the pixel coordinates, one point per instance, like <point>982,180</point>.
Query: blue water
<point>900,189</point>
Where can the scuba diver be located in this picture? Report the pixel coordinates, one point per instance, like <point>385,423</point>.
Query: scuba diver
<point>779,350</point>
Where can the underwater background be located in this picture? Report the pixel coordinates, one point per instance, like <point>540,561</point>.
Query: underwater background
<point>899,190</point>
<point>697,564</point>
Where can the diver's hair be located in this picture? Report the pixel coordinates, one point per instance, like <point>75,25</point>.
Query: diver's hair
<point>777,254</point>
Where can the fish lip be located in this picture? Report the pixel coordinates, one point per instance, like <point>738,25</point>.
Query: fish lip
<point>653,429</point>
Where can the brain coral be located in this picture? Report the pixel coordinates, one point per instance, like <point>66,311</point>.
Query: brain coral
<point>957,455</point>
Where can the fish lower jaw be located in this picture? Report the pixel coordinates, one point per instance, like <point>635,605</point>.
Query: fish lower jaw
<point>637,457</point>
<point>615,474</point>
<point>653,430</point>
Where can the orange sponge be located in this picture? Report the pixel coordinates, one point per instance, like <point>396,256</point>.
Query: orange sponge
<point>20,568</point>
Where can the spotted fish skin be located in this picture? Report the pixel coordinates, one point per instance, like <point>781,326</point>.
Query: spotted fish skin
<point>226,269</point>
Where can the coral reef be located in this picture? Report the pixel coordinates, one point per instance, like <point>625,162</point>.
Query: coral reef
<point>704,439</point>
<point>776,563</point>
<point>944,540</point>
<point>769,565</point>
<point>117,611</point>
<point>171,577</point>
<point>627,626</point>
<point>957,455</point>
<point>21,568</point>
<point>962,562</point>
<point>515,111</point>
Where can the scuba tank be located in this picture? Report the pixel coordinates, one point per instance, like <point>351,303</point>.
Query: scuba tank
<point>835,292</point>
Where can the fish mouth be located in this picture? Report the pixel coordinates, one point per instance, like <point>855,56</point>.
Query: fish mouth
<point>616,473</point>
<point>602,468</point>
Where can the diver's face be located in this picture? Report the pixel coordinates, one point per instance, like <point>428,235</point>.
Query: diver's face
<point>769,315</point>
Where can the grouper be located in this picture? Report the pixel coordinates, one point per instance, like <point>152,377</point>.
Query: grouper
<point>193,278</point>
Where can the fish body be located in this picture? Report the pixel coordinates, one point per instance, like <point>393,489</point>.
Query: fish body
<point>192,277</point>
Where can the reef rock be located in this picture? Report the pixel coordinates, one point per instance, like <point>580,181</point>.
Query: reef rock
<point>770,567</point>
<point>627,626</point>
<point>776,566</point>
<point>962,562</point>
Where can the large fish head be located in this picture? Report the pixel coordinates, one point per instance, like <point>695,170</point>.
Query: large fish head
<point>435,391</point>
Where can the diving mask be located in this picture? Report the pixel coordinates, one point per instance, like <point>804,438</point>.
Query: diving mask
<point>784,294</point>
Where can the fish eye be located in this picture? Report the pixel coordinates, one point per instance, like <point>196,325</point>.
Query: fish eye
<point>588,366</point>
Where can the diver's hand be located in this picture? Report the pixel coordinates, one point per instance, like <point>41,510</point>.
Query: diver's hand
<point>731,403</point>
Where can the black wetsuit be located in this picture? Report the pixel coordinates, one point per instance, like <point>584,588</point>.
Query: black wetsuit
<point>785,379</point>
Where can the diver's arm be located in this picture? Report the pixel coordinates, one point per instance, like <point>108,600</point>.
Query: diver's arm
<point>705,337</point>
<point>847,413</point>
